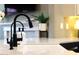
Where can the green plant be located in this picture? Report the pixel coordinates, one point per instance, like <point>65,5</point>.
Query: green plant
<point>41,18</point>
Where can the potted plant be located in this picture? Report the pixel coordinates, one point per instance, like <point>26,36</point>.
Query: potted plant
<point>42,22</point>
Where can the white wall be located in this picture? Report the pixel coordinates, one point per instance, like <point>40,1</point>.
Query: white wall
<point>51,21</point>
<point>57,13</point>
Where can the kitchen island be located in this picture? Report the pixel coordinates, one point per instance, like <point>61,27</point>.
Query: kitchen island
<point>39,47</point>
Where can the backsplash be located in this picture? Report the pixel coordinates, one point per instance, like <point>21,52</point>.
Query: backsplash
<point>6,22</point>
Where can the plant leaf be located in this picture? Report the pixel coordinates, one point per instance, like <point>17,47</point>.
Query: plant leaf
<point>41,18</point>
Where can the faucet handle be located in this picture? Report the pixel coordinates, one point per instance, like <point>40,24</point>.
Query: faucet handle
<point>22,29</point>
<point>19,29</point>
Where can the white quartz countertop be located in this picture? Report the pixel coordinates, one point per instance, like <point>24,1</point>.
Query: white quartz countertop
<point>40,46</point>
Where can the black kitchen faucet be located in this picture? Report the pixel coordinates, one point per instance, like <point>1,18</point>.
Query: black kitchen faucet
<point>13,40</point>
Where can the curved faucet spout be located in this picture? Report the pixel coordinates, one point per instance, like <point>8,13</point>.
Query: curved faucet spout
<point>29,21</point>
<point>14,33</point>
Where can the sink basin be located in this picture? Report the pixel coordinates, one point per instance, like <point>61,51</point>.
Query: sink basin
<point>74,46</point>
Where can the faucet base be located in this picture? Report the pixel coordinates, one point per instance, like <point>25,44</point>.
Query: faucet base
<point>11,48</point>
